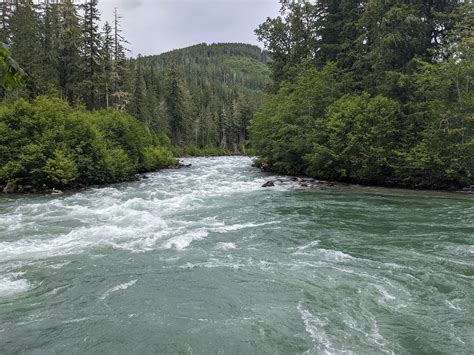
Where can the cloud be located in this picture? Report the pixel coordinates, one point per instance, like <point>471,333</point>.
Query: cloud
<point>156,26</point>
<point>130,4</point>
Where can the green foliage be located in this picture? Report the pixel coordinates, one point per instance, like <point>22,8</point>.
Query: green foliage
<point>247,66</point>
<point>202,95</point>
<point>355,140</point>
<point>281,130</point>
<point>158,157</point>
<point>61,168</point>
<point>11,75</point>
<point>46,142</point>
<point>370,92</point>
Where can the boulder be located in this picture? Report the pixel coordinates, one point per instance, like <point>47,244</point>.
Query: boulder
<point>56,192</point>
<point>269,184</point>
<point>181,166</point>
<point>265,166</point>
<point>10,188</point>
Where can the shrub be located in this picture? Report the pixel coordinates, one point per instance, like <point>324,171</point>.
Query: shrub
<point>61,169</point>
<point>46,142</point>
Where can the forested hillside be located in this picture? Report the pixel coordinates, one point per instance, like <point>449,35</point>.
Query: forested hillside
<point>373,92</point>
<point>207,93</point>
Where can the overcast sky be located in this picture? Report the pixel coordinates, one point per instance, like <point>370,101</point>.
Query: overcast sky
<point>156,26</point>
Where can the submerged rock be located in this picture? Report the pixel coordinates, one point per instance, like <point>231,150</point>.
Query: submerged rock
<point>269,184</point>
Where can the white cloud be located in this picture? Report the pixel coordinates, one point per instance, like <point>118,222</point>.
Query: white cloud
<point>156,26</point>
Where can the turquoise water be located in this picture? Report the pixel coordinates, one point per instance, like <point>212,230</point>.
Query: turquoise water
<point>205,261</point>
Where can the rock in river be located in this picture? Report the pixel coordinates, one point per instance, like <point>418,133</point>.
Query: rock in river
<point>10,188</point>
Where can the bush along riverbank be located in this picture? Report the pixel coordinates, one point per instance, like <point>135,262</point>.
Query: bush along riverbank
<point>47,145</point>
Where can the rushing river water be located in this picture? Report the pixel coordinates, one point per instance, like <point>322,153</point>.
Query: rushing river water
<point>205,261</point>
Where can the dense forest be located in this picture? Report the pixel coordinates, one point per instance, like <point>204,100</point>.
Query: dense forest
<point>203,95</point>
<point>373,92</point>
<point>64,76</point>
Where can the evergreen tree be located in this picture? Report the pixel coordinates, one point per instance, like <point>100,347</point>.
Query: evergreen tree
<point>138,105</point>
<point>26,44</point>
<point>177,99</point>
<point>50,29</point>
<point>120,97</point>
<point>91,53</point>
<point>106,65</point>
<point>69,51</point>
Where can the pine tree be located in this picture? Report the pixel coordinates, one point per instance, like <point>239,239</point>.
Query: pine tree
<point>106,65</point>
<point>91,53</point>
<point>26,44</point>
<point>69,51</point>
<point>138,106</point>
<point>120,97</point>
<point>178,103</point>
<point>224,123</point>
<point>50,29</point>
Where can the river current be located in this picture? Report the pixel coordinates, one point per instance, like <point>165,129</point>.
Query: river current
<point>203,260</point>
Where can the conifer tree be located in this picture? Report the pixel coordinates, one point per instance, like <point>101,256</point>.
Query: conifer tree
<point>91,53</point>
<point>26,44</point>
<point>69,51</point>
<point>138,105</point>
<point>50,29</point>
<point>178,103</point>
<point>106,65</point>
<point>120,97</point>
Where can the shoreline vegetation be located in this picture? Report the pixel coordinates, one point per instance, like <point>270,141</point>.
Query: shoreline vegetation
<point>370,93</point>
<point>46,144</point>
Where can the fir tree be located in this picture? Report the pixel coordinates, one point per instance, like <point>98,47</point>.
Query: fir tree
<point>120,97</point>
<point>177,100</point>
<point>69,51</point>
<point>26,44</point>
<point>91,53</point>
<point>106,65</point>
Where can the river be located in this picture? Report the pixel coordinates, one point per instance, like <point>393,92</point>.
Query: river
<point>204,260</point>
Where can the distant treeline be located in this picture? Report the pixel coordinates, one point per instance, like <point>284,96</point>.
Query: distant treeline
<point>208,92</point>
<point>373,92</point>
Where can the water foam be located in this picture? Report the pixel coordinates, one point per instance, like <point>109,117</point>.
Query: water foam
<point>120,287</point>
<point>10,286</point>
<point>314,326</point>
<point>226,246</point>
<point>181,242</point>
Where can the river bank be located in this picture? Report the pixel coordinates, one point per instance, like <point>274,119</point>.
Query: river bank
<point>11,188</point>
<point>315,182</point>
